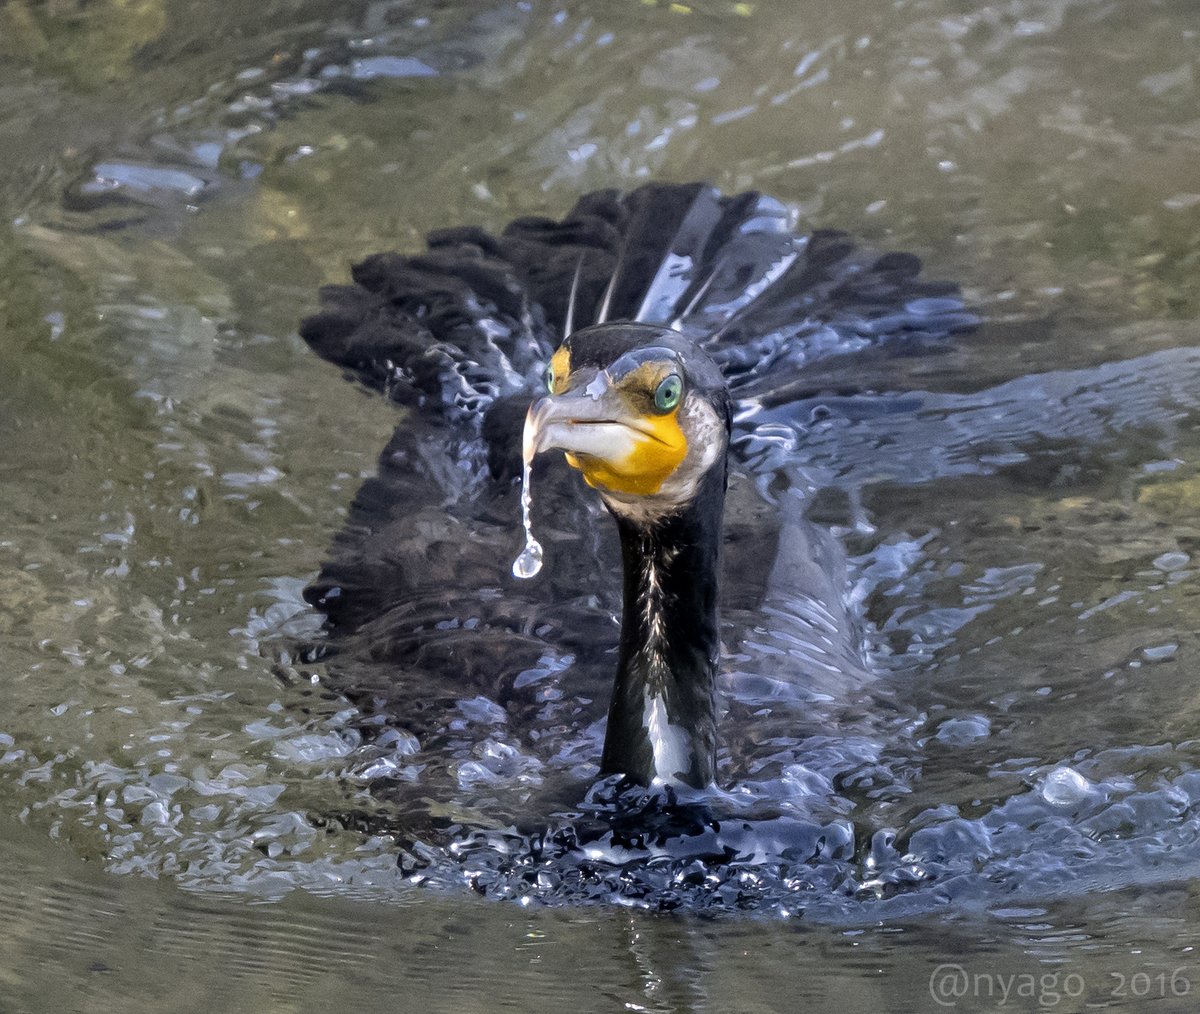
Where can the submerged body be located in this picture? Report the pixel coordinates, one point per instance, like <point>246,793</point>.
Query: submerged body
<point>418,597</point>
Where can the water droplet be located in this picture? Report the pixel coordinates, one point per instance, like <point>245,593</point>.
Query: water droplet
<point>1065,786</point>
<point>529,562</point>
<point>1169,562</point>
<point>1160,652</point>
<point>962,731</point>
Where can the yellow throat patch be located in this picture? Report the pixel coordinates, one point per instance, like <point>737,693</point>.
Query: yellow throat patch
<point>660,447</point>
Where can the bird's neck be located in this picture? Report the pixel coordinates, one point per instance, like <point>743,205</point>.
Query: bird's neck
<point>662,719</point>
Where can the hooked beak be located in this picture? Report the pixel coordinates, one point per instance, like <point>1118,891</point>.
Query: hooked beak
<point>619,450</point>
<point>593,421</point>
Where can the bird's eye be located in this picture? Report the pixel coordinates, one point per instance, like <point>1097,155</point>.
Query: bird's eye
<point>548,379</point>
<point>666,395</point>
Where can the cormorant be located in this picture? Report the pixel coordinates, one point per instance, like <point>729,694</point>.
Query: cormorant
<point>644,414</point>
<point>663,323</point>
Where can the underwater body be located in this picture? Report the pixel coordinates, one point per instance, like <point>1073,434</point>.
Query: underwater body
<point>957,651</point>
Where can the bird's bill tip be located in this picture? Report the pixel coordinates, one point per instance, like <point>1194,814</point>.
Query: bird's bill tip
<point>579,426</point>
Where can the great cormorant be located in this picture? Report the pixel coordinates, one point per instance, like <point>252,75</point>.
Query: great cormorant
<point>644,414</point>
<point>668,317</point>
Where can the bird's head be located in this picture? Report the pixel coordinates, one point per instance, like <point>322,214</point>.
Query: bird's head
<point>640,411</point>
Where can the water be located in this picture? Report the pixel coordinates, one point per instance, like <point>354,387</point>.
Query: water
<point>189,818</point>
<point>529,563</point>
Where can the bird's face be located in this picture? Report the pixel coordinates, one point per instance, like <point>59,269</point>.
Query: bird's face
<point>641,412</point>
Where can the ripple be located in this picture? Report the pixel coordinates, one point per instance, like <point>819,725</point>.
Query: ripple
<point>174,467</point>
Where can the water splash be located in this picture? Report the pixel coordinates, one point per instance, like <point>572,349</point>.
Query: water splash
<point>529,563</point>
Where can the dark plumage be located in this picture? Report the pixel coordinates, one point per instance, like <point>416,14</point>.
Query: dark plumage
<point>421,611</point>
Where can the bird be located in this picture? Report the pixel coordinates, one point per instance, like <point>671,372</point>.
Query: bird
<point>648,335</point>
<point>645,416</point>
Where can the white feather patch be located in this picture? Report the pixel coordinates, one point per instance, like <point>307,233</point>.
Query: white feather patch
<point>668,743</point>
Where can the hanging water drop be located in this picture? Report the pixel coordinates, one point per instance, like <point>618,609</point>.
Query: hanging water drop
<point>529,562</point>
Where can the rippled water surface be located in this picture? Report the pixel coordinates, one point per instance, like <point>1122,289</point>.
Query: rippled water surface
<point>192,817</point>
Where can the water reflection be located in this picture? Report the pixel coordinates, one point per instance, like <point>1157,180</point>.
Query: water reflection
<point>175,463</point>
<point>803,752</point>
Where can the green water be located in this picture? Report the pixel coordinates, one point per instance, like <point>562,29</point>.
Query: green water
<point>175,182</point>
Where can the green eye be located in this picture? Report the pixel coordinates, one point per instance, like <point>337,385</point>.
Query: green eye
<point>666,396</point>
<point>548,379</point>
